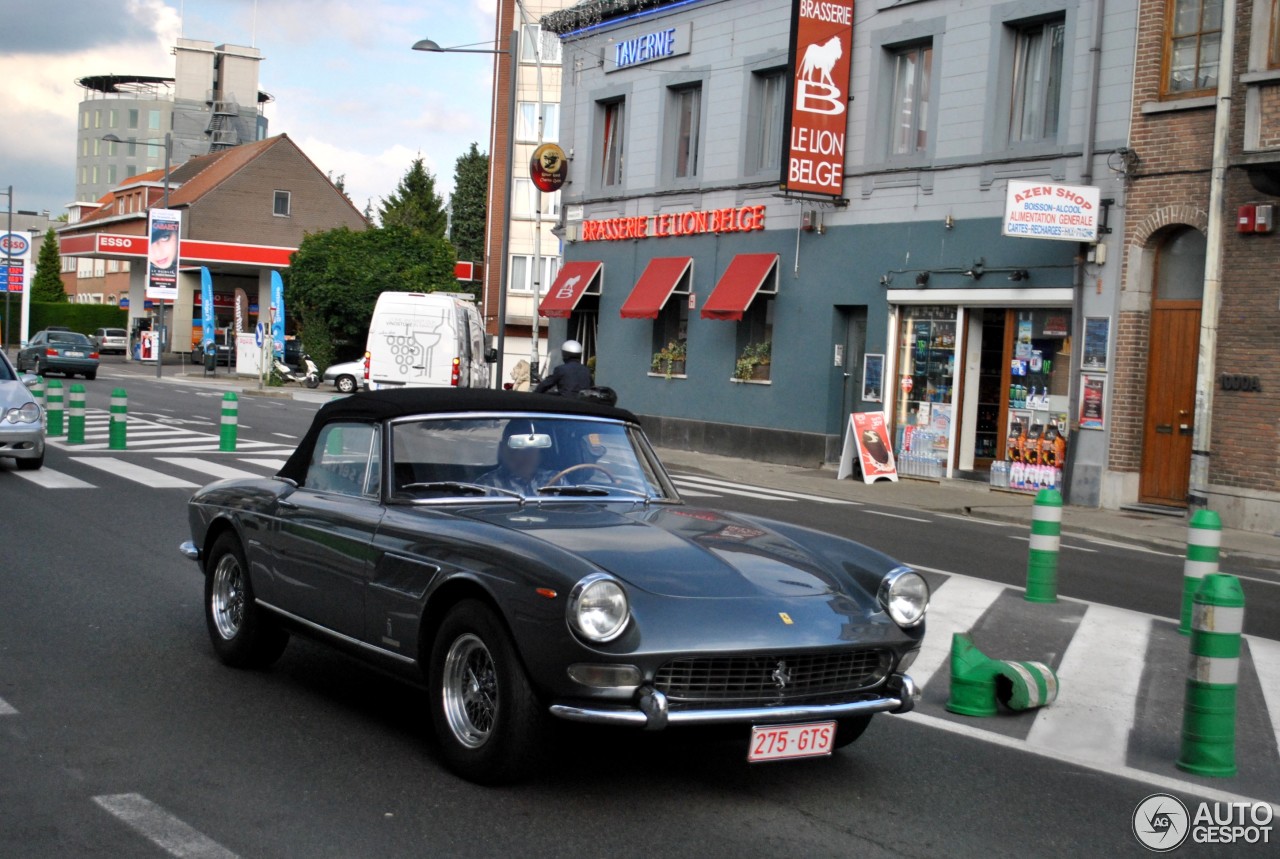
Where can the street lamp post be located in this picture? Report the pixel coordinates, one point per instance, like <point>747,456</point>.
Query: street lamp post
<point>504,267</point>
<point>8,258</point>
<point>164,204</point>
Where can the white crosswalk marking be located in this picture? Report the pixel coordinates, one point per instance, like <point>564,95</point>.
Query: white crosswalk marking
<point>1266,662</point>
<point>136,473</point>
<point>897,516</point>
<point>721,490</point>
<point>693,493</point>
<point>167,435</point>
<point>50,479</point>
<point>954,607</point>
<point>161,828</point>
<point>204,466</point>
<point>1094,720</point>
<point>714,484</point>
<point>6,710</point>
<point>274,464</point>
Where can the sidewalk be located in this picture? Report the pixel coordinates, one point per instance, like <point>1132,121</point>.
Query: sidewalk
<point>969,498</point>
<point>959,497</point>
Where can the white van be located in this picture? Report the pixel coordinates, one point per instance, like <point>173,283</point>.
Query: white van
<point>426,339</point>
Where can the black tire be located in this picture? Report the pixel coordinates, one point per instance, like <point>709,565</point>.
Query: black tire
<point>848,730</point>
<point>487,719</point>
<point>89,377</point>
<point>345,384</point>
<point>311,381</point>
<point>40,370</point>
<point>243,635</point>
<point>31,464</point>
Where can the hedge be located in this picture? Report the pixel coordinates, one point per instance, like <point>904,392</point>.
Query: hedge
<point>85,318</point>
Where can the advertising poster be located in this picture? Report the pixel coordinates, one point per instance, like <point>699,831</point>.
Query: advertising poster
<point>873,378</point>
<point>868,435</point>
<point>817,97</point>
<point>208,313</point>
<point>1096,333</point>
<point>1093,398</point>
<point>277,312</point>
<point>164,226</point>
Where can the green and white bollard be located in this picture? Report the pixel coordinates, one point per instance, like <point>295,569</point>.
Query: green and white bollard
<point>973,679</point>
<point>75,415</point>
<point>1204,537</point>
<point>37,391</point>
<point>1209,712</point>
<point>230,422</point>
<point>1042,560</point>
<point>118,433</point>
<point>1025,685</point>
<point>53,408</point>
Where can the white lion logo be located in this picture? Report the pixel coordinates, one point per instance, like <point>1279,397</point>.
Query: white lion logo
<point>821,59</point>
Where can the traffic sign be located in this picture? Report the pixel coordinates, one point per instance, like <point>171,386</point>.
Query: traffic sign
<point>259,334</point>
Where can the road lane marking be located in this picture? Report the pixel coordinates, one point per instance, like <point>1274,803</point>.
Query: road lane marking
<point>954,607</point>
<point>6,710</point>
<point>973,520</point>
<point>689,493</point>
<point>1117,545</point>
<point>284,435</point>
<point>204,466</point>
<point>713,483</point>
<point>136,473</point>
<point>50,479</point>
<point>897,516</point>
<point>265,463</point>
<point>1266,664</point>
<point>1060,544</point>
<point>720,490</point>
<point>1093,721</point>
<point>161,828</point>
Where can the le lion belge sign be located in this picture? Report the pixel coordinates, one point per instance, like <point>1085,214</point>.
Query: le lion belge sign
<point>743,219</point>
<point>818,95</point>
<point>1038,210</point>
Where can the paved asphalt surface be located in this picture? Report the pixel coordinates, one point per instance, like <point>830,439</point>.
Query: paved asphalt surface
<point>121,735</point>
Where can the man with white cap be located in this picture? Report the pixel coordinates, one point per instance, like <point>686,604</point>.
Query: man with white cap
<point>570,377</point>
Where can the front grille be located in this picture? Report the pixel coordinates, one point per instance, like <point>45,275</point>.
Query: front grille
<point>771,680</point>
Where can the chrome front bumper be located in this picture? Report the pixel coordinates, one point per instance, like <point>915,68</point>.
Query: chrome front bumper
<point>189,551</point>
<point>654,714</point>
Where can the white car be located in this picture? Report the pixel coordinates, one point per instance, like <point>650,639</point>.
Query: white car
<point>111,340</point>
<point>347,377</point>
<point>21,418</point>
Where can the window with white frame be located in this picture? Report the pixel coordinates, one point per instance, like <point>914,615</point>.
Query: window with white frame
<point>521,279</point>
<point>909,103</point>
<point>524,197</point>
<point>768,97</point>
<point>1037,81</point>
<point>281,204</point>
<point>99,268</point>
<point>68,264</point>
<point>113,266</point>
<point>84,267</point>
<point>529,44</point>
<point>527,122</point>
<point>1192,40</point>
<point>613,116</point>
<point>686,112</point>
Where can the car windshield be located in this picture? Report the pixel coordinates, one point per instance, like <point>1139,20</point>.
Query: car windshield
<point>523,457</point>
<point>70,338</point>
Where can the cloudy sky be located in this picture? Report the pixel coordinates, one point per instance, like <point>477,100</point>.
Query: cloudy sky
<point>348,88</point>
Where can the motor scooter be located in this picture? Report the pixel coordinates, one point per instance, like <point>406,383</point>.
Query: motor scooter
<point>311,378</point>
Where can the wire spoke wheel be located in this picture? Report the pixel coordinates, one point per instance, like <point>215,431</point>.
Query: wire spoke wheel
<point>470,691</point>
<point>227,597</point>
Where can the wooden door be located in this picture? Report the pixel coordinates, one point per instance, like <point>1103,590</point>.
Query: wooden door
<point>1171,401</point>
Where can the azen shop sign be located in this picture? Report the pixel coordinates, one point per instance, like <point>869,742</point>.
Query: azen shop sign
<point>817,96</point>
<point>743,219</point>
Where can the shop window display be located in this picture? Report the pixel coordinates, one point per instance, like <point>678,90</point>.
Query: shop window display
<point>1039,371</point>
<point>927,365</point>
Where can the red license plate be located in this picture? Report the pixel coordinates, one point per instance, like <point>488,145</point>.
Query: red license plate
<point>783,742</point>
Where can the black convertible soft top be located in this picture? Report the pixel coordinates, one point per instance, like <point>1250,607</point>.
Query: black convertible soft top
<point>404,402</point>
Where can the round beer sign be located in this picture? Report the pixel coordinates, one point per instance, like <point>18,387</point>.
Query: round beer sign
<point>548,167</point>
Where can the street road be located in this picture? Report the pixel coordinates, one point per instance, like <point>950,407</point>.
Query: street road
<point>122,736</point>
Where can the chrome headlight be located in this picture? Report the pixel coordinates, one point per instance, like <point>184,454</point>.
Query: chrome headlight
<point>904,594</point>
<point>598,608</point>
<point>28,413</point>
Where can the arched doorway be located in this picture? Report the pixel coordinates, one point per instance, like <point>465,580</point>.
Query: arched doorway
<point>1172,353</point>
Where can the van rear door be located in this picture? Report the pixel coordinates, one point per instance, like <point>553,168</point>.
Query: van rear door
<point>411,343</point>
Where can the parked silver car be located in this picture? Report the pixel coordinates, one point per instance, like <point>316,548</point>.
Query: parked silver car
<point>347,377</point>
<point>111,340</point>
<point>21,418</point>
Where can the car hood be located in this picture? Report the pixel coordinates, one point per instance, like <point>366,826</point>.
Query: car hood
<point>14,395</point>
<point>686,552</point>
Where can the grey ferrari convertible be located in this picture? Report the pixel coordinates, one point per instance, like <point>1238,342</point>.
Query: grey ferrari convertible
<point>528,559</point>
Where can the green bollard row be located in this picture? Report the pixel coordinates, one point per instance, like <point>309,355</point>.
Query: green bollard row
<point>1204,537</point>
<point>1209,709</point>
<point>75,415</point>
<point>230,422</point>
<point>117,434</point>
<point>1042,560</point>
<point>53,408</point>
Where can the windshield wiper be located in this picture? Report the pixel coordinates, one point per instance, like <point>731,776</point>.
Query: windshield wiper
<point>461,487</point>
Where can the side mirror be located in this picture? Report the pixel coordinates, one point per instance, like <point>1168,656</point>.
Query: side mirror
<point>490,355</point>
<point>30,379</point>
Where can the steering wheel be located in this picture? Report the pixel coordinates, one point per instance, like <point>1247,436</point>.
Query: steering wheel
<point>582,466</point>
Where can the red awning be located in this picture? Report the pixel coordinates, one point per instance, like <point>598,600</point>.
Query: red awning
<point>660,278</point>
<point>744,277</point>
<point>570,285</point>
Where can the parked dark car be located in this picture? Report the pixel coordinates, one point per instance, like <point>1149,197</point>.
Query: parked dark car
<point>529,558</point>
<point>66,352</point>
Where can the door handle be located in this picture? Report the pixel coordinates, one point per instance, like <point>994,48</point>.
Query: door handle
<point>1165,428</point>
<point>1184,429</point>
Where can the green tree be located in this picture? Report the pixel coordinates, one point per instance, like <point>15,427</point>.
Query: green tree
<point>335,278</point>
<point>469,204</point>
<point>414,204</point>
<point>47,284</point>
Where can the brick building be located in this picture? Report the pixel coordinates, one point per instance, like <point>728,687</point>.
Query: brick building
<point>1196,342</point>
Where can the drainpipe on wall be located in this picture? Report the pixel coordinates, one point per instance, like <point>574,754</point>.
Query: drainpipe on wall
<point>1201,438</point>
<point>1077,281</point>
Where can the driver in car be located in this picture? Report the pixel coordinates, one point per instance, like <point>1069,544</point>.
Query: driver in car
<point>519,460</point>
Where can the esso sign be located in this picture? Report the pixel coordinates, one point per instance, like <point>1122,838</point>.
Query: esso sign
<point>14,244</point>
<point>124,243</point>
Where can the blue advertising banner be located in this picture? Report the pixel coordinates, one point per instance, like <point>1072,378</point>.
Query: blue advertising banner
<point>277,317</point>
<point>208,314</point>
